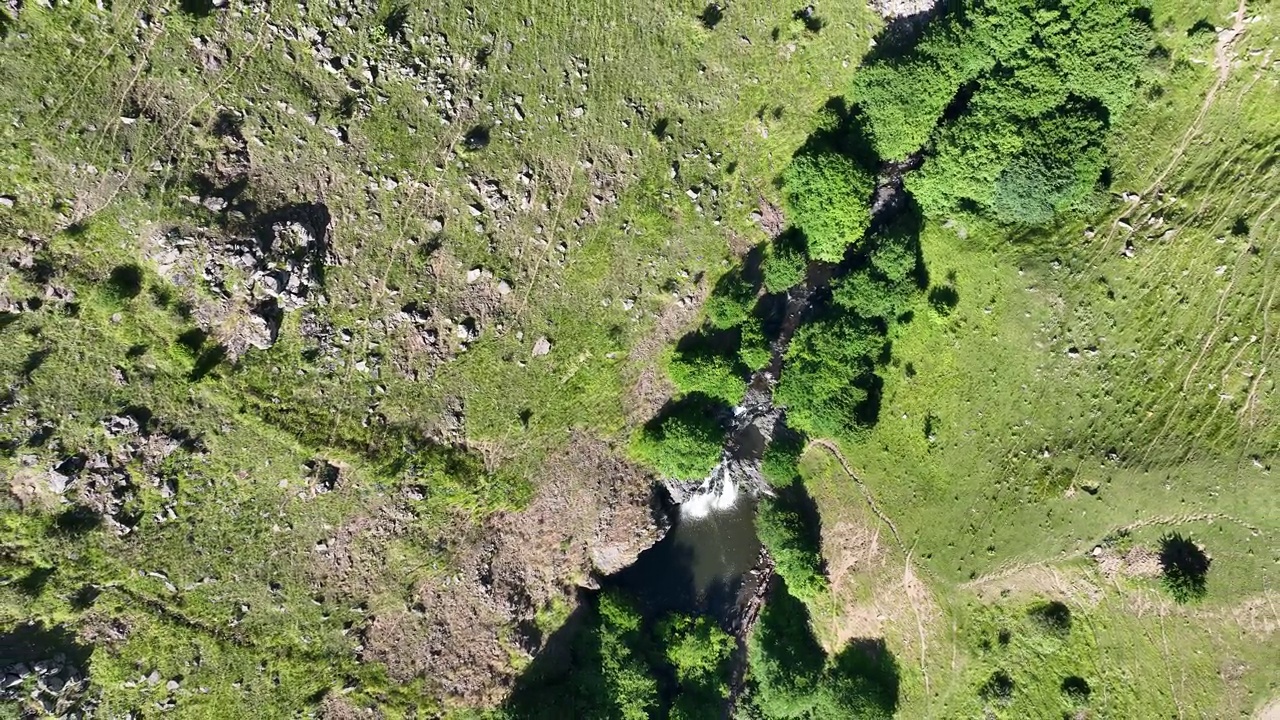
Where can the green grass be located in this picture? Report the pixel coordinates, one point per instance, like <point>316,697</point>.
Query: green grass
<point>1158,422</point>
<point>1073,393</point>
<point>243,552</point>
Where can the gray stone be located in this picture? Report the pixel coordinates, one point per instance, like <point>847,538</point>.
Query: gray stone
<point>541,347</point>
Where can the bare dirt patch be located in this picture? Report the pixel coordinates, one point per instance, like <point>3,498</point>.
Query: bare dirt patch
<point>464,633</point>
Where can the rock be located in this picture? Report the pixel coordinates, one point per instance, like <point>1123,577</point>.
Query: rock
<point>214,204</point>
<point>541,346</point>
<point>504,287</point>
<point>172,685</point>
<point>58,482</point>
<point>474,274</point>
<point>6,201</point>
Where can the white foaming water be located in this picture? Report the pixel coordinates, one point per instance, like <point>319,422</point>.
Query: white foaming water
<point>714,496</point>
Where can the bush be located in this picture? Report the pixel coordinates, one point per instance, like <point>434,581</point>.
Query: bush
<point>784,263</point>
<point>731,300</point>
<point>685,443</point>
<point>1028,143</point>
<point>1184,567</point>
<point>753,349</point>
<point>794,548</point>
<point>781,460</point>
<point>701,370</point>
<point>828,195</point>
<point>829,366</point>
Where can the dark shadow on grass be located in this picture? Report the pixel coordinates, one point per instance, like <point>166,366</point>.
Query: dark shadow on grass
<point>1185,567</point>
<point>33,641</point>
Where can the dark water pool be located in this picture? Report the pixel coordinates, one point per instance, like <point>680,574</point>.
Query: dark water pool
<point>699,567</point>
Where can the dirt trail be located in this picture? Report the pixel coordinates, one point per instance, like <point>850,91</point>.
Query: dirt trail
<point>1223,55</point>
<point>835,452</point>
<point>916,591</point>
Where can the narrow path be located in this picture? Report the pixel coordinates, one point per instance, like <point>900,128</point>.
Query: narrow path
<point>910,583</point>
<point>835,452</point>
<point>1223,55</point>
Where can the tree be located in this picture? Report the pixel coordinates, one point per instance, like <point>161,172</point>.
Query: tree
<point>828,195</point>
<point>1184,567</point>
<point>784,263</point>
<point>870,295</point>
<point>731,300</point>
<point>753,348</point>
<point>781,460</point>
<point>793,547</point>
<point>698,650</point>
<point>685,443</point>
<point>828,368</point>
<point>1044,84</point>
<point>702,370</point>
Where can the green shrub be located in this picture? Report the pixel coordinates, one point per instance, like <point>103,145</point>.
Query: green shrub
<point>1184,568</point>
<point>828,195</point>
<point>701,370</point>
<point>781,460</point>
<point>753,349</point>
<point>784,264</point>
<point>731,300</point>
<point>794,549</point>
<point>828,366</point>
<point>868,295</point>
<point>684,444</point>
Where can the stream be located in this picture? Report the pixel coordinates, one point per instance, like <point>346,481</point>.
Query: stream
<point>710,561</point>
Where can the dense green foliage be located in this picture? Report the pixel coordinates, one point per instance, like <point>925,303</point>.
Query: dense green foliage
<point>1027,142</point>
<point>608,674</point>
<point>699,651</point>
<point>780,463</point>
<point>828,195</point>
<point>827,372</point>
<point>753,349</point>
<point>784,263</point>
<point>731,300</point>
<point>792,677</point>
<point>794,547</point>
<point>684,443</point>
<point>699,369</point>
<point>620,666</point>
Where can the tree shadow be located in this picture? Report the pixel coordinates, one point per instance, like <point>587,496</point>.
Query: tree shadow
<point>125,281</point>
<point>866,676</point>
<point>1185,567</point>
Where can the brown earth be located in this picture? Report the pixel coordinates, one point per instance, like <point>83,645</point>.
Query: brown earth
<point>591,516</point>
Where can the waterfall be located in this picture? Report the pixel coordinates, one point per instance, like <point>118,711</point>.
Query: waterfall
<point>717,493</point>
